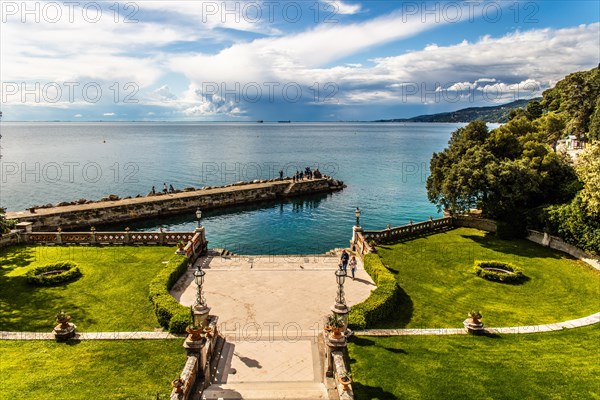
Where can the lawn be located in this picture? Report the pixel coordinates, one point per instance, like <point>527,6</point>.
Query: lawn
<point>439,287</point>
<point>119,369</point>
<point>112,294</point>
<point>556,365</point>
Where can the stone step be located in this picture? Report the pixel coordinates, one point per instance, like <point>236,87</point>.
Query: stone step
<point>266,391</point>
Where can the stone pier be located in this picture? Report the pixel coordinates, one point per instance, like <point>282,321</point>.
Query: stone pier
<point>76,216</point>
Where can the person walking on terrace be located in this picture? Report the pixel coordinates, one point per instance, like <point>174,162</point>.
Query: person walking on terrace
<point>344,259</point>
<point>352,265</point>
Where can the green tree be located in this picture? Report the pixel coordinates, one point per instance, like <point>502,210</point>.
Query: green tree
<point>588,169</point>
<point>5,224</point>
<point>534,110</point>
<point>503,172</point>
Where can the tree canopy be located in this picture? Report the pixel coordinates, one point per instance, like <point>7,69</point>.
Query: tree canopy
<point>501,171</point>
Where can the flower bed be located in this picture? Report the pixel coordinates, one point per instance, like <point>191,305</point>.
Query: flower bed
<point>53,274</point>
<point>499,272</point>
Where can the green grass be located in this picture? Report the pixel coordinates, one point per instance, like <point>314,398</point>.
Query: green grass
<point>557,365</point>
<point>439,286</point>
<point>112,294</point>
<point>120,369</point>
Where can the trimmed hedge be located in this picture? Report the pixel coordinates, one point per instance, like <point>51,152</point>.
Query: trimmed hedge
<point>382,301</point>
<point>481,271</point>
<point>69,269</point>
<point>169,312</point>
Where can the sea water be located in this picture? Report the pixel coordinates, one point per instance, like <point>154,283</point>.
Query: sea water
<point>384,165</point>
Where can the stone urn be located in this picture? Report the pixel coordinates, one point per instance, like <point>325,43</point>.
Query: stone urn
<point>64,330</point>
<point>177,385</point>
<point>337,332</point>
<point>473,323</point>
<point>345,381</point>
<point>195,333</point>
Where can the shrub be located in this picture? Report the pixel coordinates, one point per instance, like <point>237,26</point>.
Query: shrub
<point>165,306</point>
<point>179,321</point>
<point>481,269</point>
<point>38,276</point>
<point>382,301</point>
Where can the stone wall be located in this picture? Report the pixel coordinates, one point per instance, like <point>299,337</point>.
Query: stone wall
<point>557,243</point>
<point>9,239</point>
<point>78,216</point>
<point>467,221</point>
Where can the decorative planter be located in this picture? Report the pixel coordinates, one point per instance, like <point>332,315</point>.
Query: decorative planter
<point>337,332</point>
<point>64,322</point>
<point>177,385</point>
<point>195,333</point>
<point>345,382</point>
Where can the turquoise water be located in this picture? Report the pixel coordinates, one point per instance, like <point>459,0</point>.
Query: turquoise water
<point>384,166</point>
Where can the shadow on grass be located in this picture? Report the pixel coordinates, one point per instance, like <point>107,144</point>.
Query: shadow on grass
<point>22,303</point>
<point>361,341</point>
<point>519,247</point>
<point>17,256</point>
<point>370,392</point>
<point>395,351</point>
<point>402,314</point>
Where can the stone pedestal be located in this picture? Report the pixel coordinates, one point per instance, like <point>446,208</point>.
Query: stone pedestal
<point>333,344</point>
<point>193,346</point>
<point>201,314</point>
<point>474,326</point>
<point>64,332</point>
<point>353,240</point>
<point>342,310</point>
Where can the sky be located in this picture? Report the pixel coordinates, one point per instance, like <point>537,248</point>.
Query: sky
<point>311,60</point>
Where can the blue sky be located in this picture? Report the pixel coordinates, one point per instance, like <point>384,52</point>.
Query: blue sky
<point>284,60</point>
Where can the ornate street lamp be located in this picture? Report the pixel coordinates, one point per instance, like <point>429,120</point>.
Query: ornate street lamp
<point>200,309</point>
<point>198,216</point>
<point>357,214</point>
<point>199,279</point>
<point>340,278</point>
<point>340,308</point>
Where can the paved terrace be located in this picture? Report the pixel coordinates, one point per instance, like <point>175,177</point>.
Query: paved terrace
<point>280,296</point>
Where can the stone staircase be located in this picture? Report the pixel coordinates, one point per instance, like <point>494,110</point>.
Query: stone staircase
<point>218,252</point>
<point>269,370</point>
<point>267,390</point>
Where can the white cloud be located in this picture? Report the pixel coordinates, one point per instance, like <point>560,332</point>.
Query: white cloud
<point>109,114</point>
<point>340,7</point>
<point>77,115</point>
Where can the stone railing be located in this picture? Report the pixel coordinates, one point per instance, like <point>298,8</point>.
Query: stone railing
<point>201,362</point>
<point>408,230</point>
<point>360,245</point>
<point>339,370</point>
<point>106,238</point>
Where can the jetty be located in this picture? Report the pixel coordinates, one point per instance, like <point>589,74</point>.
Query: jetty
<point>71,216</point>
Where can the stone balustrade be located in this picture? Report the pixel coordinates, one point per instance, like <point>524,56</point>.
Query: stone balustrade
<point>106,238</point>
<point>408,230</point>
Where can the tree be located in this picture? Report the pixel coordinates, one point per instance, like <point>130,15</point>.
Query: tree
<point>552,127</point>
<point>5,224</point>
<point>504,172</point>
<point>534,110</point>
<point>588,170</point>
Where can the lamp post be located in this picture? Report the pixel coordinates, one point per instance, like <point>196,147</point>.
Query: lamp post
<point>340,308</point>
<point>200,308</point>
<point>199,216</point>
<point>357,214</point>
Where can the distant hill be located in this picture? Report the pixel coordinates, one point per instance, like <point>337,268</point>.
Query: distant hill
<point>494,114</point>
